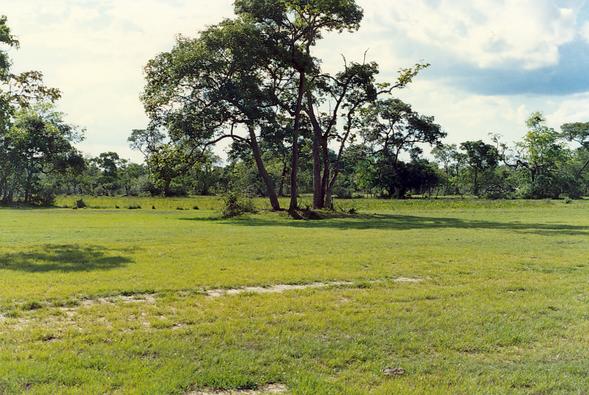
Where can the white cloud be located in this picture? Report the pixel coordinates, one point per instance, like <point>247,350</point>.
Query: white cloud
<point>486,33</point>
<point>574,108</point>
<point>465,116</point>
<point>584,32</point>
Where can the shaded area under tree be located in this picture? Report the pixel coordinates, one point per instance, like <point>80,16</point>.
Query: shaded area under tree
<point>65,258</point>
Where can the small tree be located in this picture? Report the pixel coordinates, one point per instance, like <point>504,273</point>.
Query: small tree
<point>542,156</point>
<point>480,157</point>
<point>578,133</point>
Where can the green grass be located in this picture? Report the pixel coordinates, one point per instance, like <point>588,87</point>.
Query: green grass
<point>502,308</point>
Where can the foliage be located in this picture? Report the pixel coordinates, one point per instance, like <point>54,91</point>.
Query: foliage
<point>236,204</point>
<point>481,159</point>
<point>39,143</point>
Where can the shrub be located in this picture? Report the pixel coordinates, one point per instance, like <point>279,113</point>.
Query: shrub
<point>235,205</point>
<point>44,197</point>
<point>343,192</point>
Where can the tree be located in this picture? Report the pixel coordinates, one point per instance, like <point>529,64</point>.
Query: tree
<point>449,158</point>
<point>213,88</point>
<point>391,127</point>
<point>254,80</point>
<point>109,164</point>
<point>347,93</point>
<point>542,155</point>
<point>578,132</point>
<point>294,27</point>
<point>38,143</point>
<point>480,158</point>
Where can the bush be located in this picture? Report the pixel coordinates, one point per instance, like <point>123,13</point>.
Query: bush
<point>235,205</point>
<point>343,192</point>
<point>44,198</point>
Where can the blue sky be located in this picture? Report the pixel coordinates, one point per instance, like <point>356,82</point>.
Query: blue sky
<point>493,61</point>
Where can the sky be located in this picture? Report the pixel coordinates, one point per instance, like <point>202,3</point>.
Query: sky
<point>493,62</point>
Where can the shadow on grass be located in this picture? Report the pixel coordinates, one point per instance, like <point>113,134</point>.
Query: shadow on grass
<point>405,222</point>
<point>64,258</point>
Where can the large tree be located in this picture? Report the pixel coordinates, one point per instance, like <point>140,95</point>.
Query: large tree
<point>335,104</point>
<point>254,80</point>
<point>213,88</point>
<point>294,28</point>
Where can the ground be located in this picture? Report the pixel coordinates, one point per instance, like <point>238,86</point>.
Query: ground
<point>407,297</point>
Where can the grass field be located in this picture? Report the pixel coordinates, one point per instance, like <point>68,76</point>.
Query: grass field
<point>107,300</point>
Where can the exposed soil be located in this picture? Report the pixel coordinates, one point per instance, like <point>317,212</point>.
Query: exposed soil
<point>268,389</point>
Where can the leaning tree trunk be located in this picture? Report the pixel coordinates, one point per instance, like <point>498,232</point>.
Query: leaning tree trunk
<point>318,196</point>
<point>283,177</point>
<point>318,185</point>
<point>326,173</point>
<point>274,202</point>
<point>294,168</point>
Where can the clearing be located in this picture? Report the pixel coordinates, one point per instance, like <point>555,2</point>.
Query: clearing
<point>451,296</point>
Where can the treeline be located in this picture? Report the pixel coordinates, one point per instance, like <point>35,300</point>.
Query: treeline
<point>254,83</point>
<point>544,164</point>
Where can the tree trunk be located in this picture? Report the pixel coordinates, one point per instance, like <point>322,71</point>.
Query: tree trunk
<point>262,170</point>
<point>28,187</point>
<point>585,166</point>
<point>283,176</point>
<point>318,195</point>
<point>326,173</point>
<point>329,192</point>
<point>294,168</point>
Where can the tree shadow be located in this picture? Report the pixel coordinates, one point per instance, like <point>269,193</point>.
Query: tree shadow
<point>406,222</point>
<point>65,258</point>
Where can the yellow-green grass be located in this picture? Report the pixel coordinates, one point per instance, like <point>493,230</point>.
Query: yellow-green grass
<point>503,305</point>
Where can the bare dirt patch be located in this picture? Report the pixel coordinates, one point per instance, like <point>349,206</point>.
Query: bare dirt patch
<point>407,280</point>
<point>151,298</point>
<point>139,298</point>
<point>268,389</point>
<point>279,288</point>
